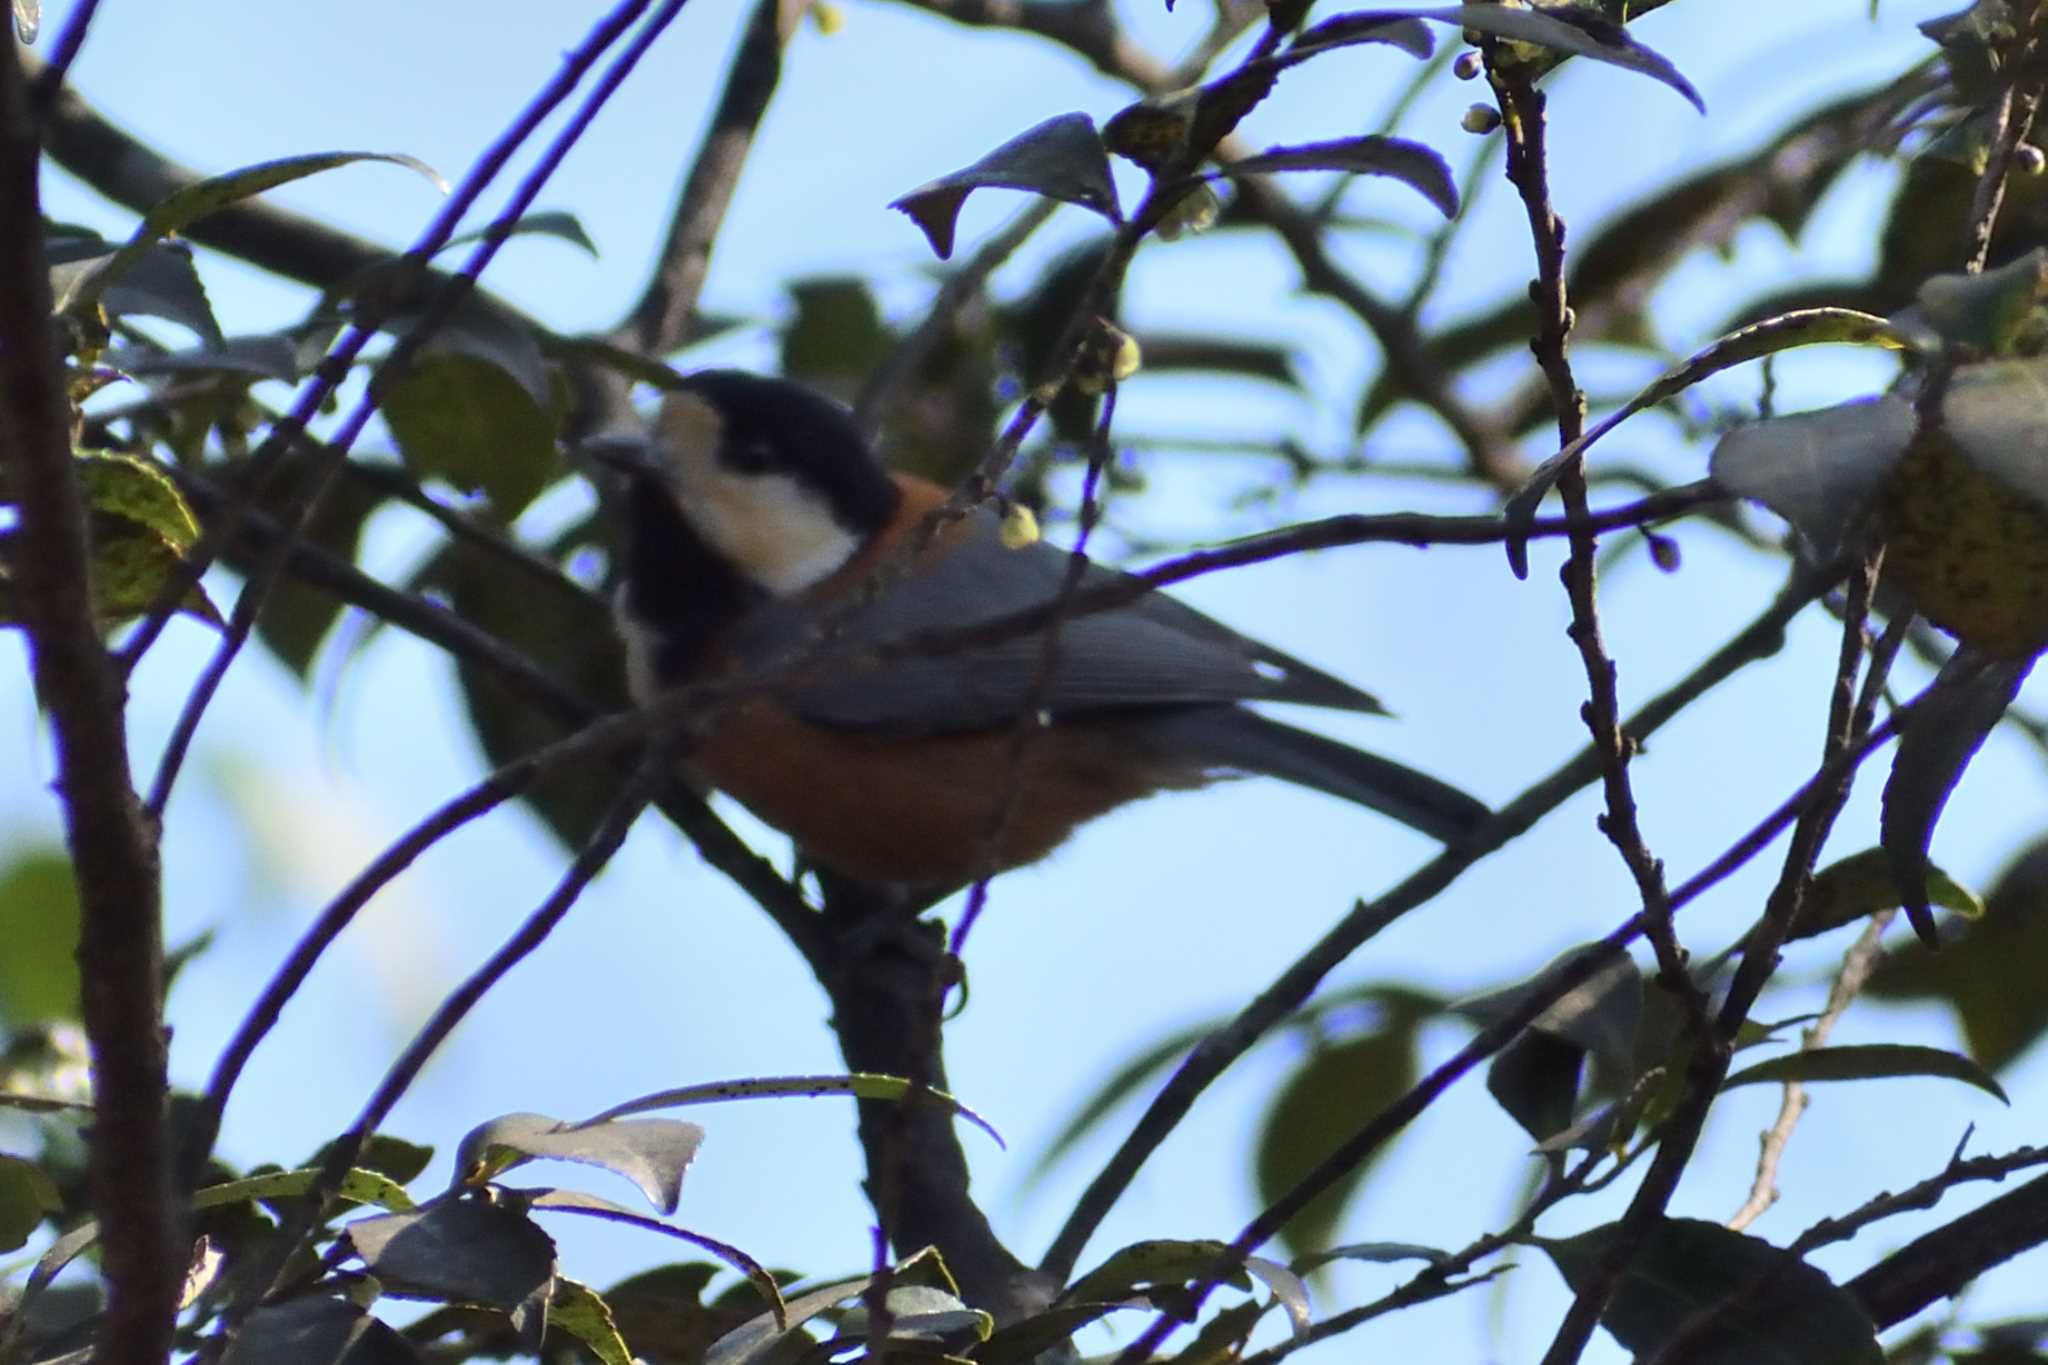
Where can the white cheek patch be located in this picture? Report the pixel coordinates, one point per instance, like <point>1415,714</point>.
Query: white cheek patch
<point>772,528</point>
<point>768,526</point>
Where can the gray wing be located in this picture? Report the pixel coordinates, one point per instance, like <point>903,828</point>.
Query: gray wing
<point>1154,651</point>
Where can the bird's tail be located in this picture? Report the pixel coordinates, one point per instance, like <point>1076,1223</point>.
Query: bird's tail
<point>1244,740</point>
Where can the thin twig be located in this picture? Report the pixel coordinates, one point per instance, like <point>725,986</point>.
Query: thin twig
<point>1525,126</point>
<point>69,43</point>
<point>1811,812</point>
<point>594,741</point>
<point>663,317</point>
<point>1437,1279</point>
<point>960,288</point>
<point>1830,778</point>
<point>1759,640</point>
<point>604,841</point>
<point>2017,104</point>
<point>257,586</point>
<point>1857,964</point>
<point>112,840</point>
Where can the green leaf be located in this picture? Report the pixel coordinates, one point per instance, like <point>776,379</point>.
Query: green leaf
<point>652,1153</point>
<point>766,1337</point>
<point>918,1313</point>
<point>27,1196</point>
<point>581,1311</point>
<point>1741,466</point>
<point>298,616</point>
<point>1330,1094</point>
<point>1156,1264</point>
<point>1817,470</point>
<point>358,1186</point>
<point>382,1154</point>
<point>462,1251</point>
<point>859,1085</point>
<point>135,489</point>
<point>1989,974</point>
<point>1412,163</point>
<point>837,337</point>
<point>1577,31</point>
<point>317,1328</point>
<point>1377,1253</point>
<point>471,423</point>
<point>563,629</point>
<point>1789,1312</point>
<point>1867,1062</point>
<point>1061,158</point>
<point>188,205</point>
<point>1600,1015</point>
<point>1860,885</point>
<point>557,223</point>
<point>263,356</point>
<point>1411,35</point>
<point>579,1201</point>
<point>1968,699</point>
<point>38,938</point>
<point>1987,312</point>
<point>1028,1339</point>
<point>160,282</point>
<point>1993,411</point>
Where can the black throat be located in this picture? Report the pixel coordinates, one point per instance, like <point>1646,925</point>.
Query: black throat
<point>676,585</point>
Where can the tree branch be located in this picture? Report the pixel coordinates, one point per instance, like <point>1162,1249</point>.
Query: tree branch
<point>113,845</point>
<point>666,314</point>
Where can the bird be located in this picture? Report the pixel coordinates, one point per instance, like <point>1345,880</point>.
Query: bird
<point>759,532</point>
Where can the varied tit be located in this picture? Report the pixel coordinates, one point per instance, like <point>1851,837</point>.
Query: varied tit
<point>755,519</point>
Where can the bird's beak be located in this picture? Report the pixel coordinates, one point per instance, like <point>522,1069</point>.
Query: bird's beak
<point>620,454</point>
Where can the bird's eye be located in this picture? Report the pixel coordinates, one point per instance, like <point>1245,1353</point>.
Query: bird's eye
<point>752,455</point>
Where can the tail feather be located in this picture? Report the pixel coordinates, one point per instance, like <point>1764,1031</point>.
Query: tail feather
<point>1231,737</point>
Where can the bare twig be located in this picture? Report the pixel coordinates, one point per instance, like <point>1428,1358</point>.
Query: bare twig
<point>1682,1128</point>
<point>662,319</point>
<point>256,588</point>
<point>959,289</point>
<point>1811,812</point>
<point>1759,640</point>
<point>594,741</point>
<point>604,841</point>
<point>1525,126</point>
<point>1856,967</point>
<point>2017,104</point>
<point>50,79</point>
<point>1438,1279</point>
<point>112,840</point>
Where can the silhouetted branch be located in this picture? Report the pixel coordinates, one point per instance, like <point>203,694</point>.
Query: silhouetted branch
<point>113,843</point>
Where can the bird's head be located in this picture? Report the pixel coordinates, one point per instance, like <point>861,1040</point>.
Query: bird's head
<point>776,480</point>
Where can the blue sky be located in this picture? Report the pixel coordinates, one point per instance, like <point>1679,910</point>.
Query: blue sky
<point>1168,913</point>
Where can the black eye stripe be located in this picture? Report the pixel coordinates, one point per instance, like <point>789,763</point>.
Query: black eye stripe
<point>753,454</point>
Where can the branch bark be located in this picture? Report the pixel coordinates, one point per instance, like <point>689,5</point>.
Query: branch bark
<point>113,846</point>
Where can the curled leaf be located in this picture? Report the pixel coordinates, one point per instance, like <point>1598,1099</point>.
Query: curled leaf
<point>1583,32</point>
<point>1817,470</point>
<point>188,205</point>
<point>1861,885</point>
<point>1411,163</point>
<point>1867,1062</point>
<point>1392,27</point>
<point>652,1153</point>
<point>1967,699</point>
<point>1061,158</point>
<point>1787,1311</point>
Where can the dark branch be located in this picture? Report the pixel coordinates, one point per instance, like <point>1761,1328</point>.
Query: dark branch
<point>113,845</point>
<point>665,316</point>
